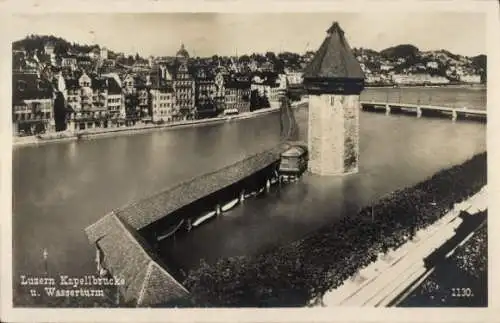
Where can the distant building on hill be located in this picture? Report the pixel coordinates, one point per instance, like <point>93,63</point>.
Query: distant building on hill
<point>470,78</point>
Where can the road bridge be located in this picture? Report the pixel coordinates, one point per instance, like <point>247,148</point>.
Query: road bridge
<point>424,110</point>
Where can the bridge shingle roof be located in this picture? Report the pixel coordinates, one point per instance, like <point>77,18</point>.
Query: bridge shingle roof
<point>148,281</point>
<point>146,211</point>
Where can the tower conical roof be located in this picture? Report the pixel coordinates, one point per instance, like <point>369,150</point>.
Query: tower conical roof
<point>334,59</point>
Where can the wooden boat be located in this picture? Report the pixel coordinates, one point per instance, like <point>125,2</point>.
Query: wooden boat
<point>203,218</point>
<point>229,205</point>
<point>170,232</point>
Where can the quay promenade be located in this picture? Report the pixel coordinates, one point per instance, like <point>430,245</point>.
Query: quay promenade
<point>112,132</point>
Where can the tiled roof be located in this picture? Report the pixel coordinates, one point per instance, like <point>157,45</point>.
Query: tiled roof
<point>144,212</point>
<point>71,84</point>
<point>334,58</point>
<point>28,86</point>
<point>128,256</point>
<point>113,86</point>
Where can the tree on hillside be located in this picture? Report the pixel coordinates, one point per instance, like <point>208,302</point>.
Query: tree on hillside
<point>271,56</point>
<point>404,51</point>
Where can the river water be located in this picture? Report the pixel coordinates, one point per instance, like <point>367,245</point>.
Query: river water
<point>59,189</point>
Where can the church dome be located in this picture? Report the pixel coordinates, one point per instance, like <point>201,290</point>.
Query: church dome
<point>182,52</point>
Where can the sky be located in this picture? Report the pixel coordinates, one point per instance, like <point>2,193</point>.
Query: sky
<point>206,34</point>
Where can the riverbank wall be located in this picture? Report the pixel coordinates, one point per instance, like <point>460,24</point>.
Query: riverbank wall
<point>124,131</point>
<point>299,272</point>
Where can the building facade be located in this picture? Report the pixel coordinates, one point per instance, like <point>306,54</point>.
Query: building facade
<point>205,92</point>
<point>87,103</point>
<point>162,104</point>
<point>32,105</point>
<point>184,89</point>
<point>237,93</point>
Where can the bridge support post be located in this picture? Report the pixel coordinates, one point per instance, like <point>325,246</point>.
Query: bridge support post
<point>387,109</point>
<point>242,195</point>
<point>419,112</point>
<point>454,115</point>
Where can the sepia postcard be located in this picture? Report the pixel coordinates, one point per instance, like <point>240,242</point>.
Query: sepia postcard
<point>249,161</point>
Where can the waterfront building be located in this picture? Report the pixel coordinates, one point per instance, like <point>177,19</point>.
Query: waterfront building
<point>277,89</point>
<point>220,91</point>
<point>269,85</point>
<point>205,91</point>
<point>333,80</point>
<point>144,101</point>
<point>32,104</point>
<point>184,89</point>
<point>237,93</point>
<point>162,104</point>
<point>115,102</point>
<point>87,100</point>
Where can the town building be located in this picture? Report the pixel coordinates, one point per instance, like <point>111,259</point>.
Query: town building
<point>293,77</point>
<point>115,103</point>
<point>433,65</point>
<point>269,86</point>
<point>49,48</point>
<point>205,92</point>
<point>418,79</point>
<point>144,101</point>
<point>470,78</point>
<point>69,62</point>
<point>32,105</point>
<point>237,93</point>
<point>103,53</point>
<point>162,104</point>
<point>87,100</point>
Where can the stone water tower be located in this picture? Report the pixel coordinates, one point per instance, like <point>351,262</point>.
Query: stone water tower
<point>333,80</point>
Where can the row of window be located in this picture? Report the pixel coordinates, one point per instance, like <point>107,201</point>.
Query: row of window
<point>163,105</point>
<point>162,112</point>
<point>32,116</point>
<point>22,85</point>
<point>163,97</point>
<point>34,106</point>
<point>87,114</point>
